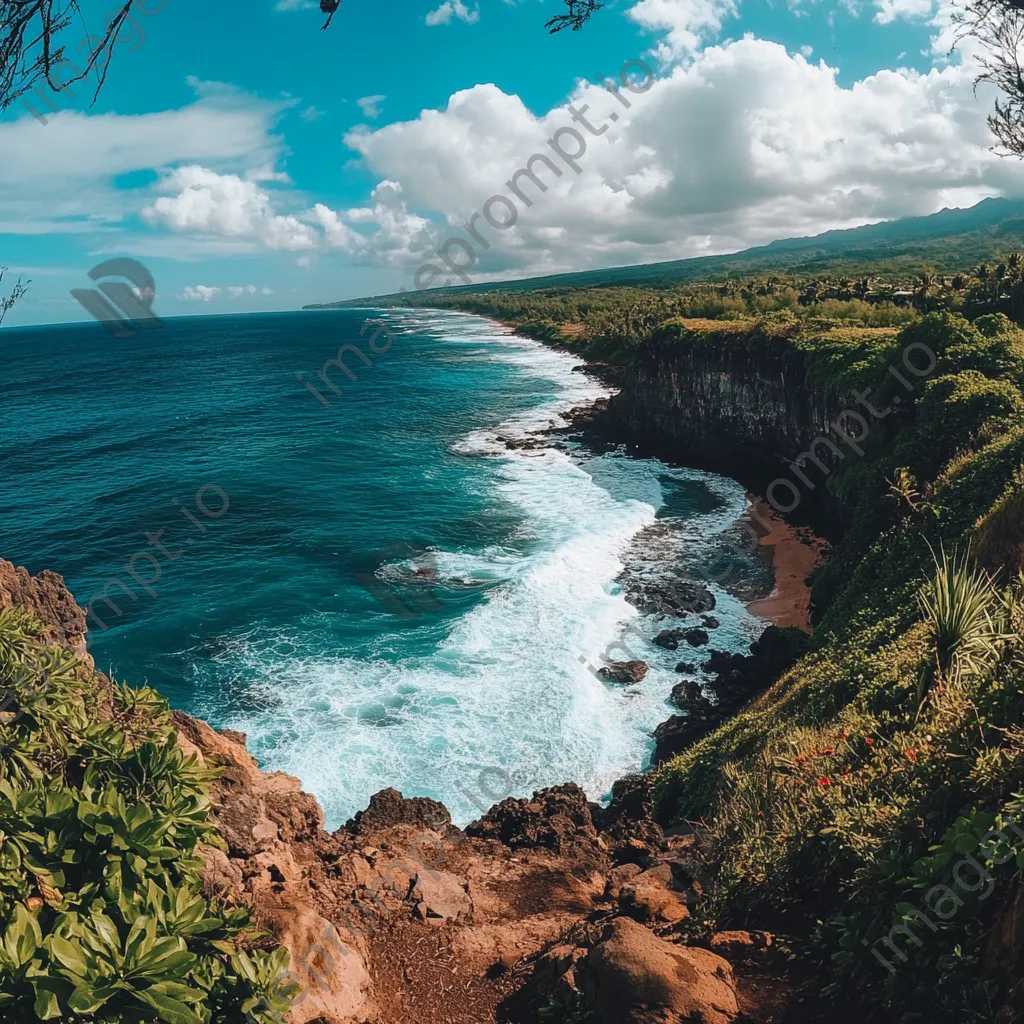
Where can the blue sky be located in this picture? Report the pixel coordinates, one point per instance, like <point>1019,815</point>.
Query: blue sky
<point>253,162</point>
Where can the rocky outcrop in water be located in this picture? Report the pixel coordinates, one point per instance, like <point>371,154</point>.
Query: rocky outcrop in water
<point>623,671</point>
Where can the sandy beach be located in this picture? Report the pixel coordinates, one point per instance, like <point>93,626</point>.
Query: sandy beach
<point>793,552</point>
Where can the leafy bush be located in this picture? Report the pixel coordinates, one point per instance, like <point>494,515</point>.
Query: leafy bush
<point>102,820</point>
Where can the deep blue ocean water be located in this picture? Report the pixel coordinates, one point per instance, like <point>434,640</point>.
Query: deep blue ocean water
<point>379,592</point>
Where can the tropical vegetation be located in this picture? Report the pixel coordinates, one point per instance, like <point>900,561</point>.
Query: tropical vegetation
<point>103,819</point>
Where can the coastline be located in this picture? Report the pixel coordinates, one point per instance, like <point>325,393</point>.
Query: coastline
<point>792,552</point>
<point>483,894</point>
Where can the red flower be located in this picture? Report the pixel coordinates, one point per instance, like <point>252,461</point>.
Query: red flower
<point>824,781</point>
<point>911,754</point>
<point>869,741</point>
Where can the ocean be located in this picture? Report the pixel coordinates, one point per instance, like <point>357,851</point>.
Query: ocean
<point>377,588</point>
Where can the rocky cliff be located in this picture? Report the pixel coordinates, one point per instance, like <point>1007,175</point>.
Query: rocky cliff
<point>732,397</point>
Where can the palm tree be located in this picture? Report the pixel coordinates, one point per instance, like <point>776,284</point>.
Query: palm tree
<point>924,289</point>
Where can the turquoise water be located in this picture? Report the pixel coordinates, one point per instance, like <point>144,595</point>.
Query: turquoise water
<point>379,592</point>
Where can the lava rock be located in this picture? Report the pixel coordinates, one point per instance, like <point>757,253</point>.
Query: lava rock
<point>623,671</point>
<point>696,637</point>
<point>670,597</point>
<point>389,807</point>
<point>739,676</point>
<point>709,622</point>
<point>669,639</point>
<point>677,733</point>
<point>686,666</point>
<point>557,818</point>
<point>687,694</point>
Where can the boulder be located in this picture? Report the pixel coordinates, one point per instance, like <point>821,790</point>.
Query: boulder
<point>648,899</point>
<point>669,638</point>
<point>738,945</point>
<point>696,637</point>
<point>627,824</point>
<point>739,676</point>
<point>687,694</point>
<point>326,963</point>
<point>388,808</point>
<point>633,977</point>
<point>670,597</point>
<point>677,733</point>
<point>441,895</point>
<point>686,666</point>
<point>709,622</point>
<point>623,671</point>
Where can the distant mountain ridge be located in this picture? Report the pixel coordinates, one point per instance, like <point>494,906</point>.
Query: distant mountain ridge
<point>948,241</point>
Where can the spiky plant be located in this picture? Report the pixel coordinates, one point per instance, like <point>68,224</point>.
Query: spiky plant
<point>961,607</point>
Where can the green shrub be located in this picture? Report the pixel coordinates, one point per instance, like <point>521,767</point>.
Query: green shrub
<point>102,818</point>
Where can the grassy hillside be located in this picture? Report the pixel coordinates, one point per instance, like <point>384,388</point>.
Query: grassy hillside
<point>843,802</point>
<point>944,242</point>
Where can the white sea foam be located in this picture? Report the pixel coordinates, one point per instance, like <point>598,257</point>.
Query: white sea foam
<point>506,701</point>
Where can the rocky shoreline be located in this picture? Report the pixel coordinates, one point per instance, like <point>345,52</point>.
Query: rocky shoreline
<point>789,553</point>
<point>543,909</point>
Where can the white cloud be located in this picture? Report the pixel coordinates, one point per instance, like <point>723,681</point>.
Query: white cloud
<point>200,293</point>
<point>310,114</point>
<point>740,144</point>
<point>453,9</point>
<point>370,105</point>
<point>890,10</point>
<point>687,22</point>
<point>225,204</point>
<point>207,293</point>
<point>400,238</point>
<point>60,177</point>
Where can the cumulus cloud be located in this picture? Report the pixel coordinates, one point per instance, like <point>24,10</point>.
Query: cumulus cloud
<point>399,237</point>
<point>741,144</point>
<point>200,293</point>
<point>890,10</point>
<point>61,178</point>
<point>453,9</point>
<point>227,205</point>
<point>687,22</point>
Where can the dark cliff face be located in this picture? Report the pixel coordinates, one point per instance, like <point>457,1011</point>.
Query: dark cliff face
<point>738,403</point>
<point>724,404</point>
